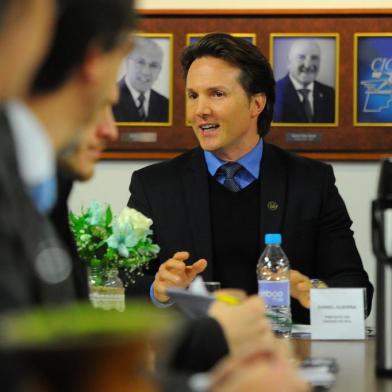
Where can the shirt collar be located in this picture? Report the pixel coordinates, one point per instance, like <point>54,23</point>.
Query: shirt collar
<point>34,150</point>
<point>135,94</point>
<point>299,86</point>
<point>250,161</point>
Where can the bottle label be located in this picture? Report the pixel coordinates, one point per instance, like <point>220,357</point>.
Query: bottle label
<point>275,293</point>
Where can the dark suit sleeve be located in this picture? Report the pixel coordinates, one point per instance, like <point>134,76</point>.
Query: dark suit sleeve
<point>339,262</point>
<point>200,347</point>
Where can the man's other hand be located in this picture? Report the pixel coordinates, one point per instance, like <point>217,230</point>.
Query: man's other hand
<point>300,286</point>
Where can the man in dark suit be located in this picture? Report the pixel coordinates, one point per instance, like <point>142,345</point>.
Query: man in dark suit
<point>18,234</point>
<point>199,205</point>
<point>138,102</point>
<point>299,97</point>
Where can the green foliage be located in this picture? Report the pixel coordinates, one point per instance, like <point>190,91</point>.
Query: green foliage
<point>105,243</point>
<point>64,326</point>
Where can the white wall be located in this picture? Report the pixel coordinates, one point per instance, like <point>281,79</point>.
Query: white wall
<point>356,180</point>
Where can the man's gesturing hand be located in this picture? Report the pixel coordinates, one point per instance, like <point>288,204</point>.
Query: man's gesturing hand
<point>175,273</point>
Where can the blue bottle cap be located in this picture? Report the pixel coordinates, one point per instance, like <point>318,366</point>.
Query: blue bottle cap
<point>273,239</point>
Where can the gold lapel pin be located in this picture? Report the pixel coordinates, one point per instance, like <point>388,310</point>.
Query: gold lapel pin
<point>272,205</point>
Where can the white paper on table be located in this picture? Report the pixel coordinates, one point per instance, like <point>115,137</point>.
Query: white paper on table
<point>337,313</point>
<point>194,301</point>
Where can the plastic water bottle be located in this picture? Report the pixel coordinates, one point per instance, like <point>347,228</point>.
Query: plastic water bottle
<point>273,270</point>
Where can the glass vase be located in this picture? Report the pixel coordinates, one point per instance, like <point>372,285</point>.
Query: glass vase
<point>106,289</point>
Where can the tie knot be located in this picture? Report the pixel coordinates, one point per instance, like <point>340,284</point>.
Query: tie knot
<point>304,92</point>
<point>141,98</point>
<point>230,169</point>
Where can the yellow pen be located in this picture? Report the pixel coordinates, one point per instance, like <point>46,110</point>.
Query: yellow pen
<point>227,299</point>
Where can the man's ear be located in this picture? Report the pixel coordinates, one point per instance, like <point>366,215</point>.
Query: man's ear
<point>93,64</point>
<point>258,102</point>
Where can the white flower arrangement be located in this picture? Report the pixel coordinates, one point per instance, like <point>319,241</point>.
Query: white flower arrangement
<point>106,243</point>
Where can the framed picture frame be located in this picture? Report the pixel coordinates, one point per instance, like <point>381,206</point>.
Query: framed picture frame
<point>146,83</point>
<point>340,139</point>
<point>306,69</point>
<point>372,85</point>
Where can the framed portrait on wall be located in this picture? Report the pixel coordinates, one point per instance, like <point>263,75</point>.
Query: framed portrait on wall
<point>306,69</point>
<point>372,79</point>
<point>339,128</point>
<point>192,38</point>
<point>146,83</point>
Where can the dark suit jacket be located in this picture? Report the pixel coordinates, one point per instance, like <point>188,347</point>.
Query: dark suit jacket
<point>28,242</point>
<point>60,221</point>
<point>288,107</point>
<point>125,110</point>
<point>311,215</point>
<point>196,347</point>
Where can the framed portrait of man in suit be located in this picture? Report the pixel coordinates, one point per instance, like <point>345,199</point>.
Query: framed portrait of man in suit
<point>306,69</point>
<point>146,83</point>
<point>372,79</point>
<point>320,55</point>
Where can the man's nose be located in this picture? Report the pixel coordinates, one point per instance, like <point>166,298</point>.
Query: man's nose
<point>146,69</point>
<point>203,107</point>
<point>307,62</point>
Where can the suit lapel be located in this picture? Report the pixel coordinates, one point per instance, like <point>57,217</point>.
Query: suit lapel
<point>297,107</point>
<point>291,92</point>
<point>273,184</point>
<point>126,97</point>
<point>196,190</point>
<point>152,106</point>
<point>318,100</point>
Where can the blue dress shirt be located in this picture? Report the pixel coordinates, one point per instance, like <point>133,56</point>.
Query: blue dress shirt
<point>35,155</point>
<point>250,163</point>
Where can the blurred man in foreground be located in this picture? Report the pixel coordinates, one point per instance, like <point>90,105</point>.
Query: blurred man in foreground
<point>76,80</point>
<point>21,21</point>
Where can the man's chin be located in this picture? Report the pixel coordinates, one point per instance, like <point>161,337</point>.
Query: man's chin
<point>84,174</point>
<point>307,79</point>
<point>207,146</point>
<point>142,88</point>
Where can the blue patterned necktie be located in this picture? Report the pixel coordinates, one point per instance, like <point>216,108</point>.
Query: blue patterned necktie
<point>140,107</point>
<point>229,170</point>
<point>306,104</point>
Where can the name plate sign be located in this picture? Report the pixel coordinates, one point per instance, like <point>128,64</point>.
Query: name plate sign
<point>337,314</point>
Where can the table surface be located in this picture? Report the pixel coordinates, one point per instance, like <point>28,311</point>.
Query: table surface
<point>356,361</point>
